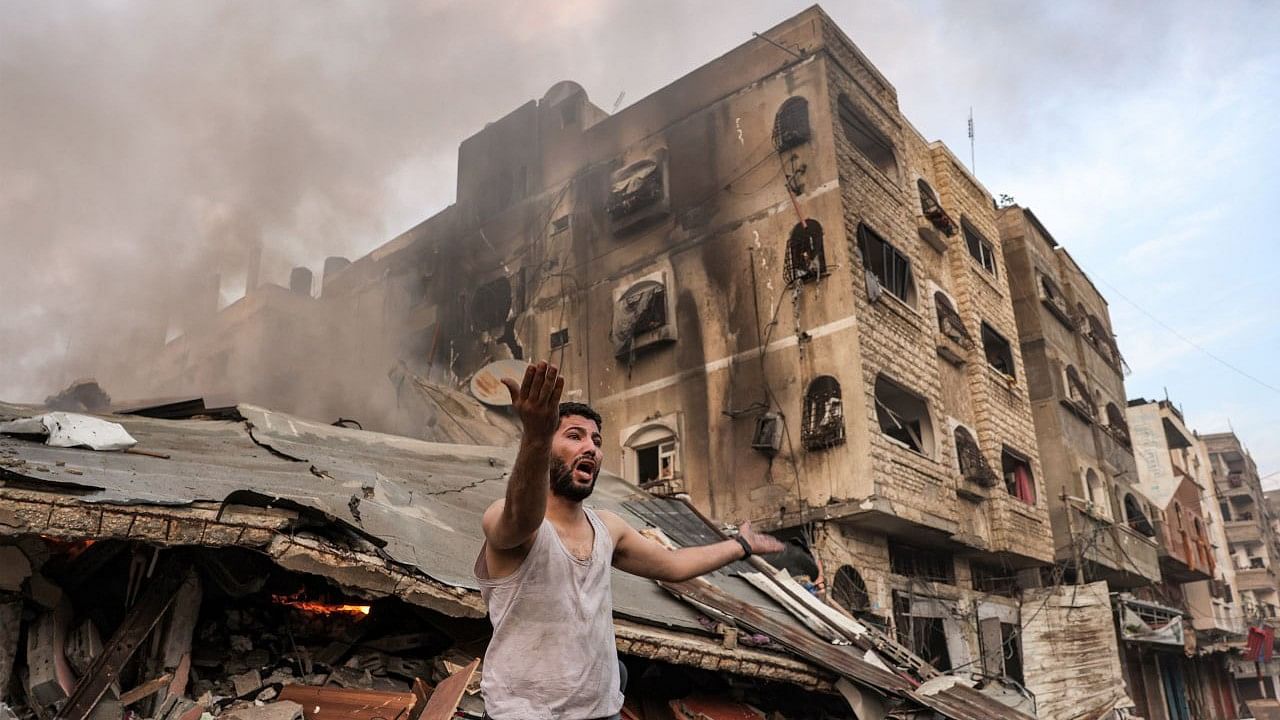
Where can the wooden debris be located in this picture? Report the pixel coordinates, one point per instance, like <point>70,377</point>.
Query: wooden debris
<point>334,703</point>
<point>146,689</point>
<point>444,701</point>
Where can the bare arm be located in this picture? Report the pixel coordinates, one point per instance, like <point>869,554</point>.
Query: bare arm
<point>636,554</point>
<point>513,521</point>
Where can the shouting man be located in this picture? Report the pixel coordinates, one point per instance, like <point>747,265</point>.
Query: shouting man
<point>544,567</point>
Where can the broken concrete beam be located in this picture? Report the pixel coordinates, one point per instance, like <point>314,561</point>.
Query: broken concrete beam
<point>246,683</point>
<point>10,628</point>
<point>50,676</point>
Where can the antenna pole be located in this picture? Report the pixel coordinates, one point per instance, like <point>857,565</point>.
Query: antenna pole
<point>973,165</point>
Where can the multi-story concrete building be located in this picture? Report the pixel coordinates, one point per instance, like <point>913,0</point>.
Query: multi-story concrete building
<point>783,299</point>
<point>1101,522</point>
<point>1189,677</point>
<point>1253,553</point>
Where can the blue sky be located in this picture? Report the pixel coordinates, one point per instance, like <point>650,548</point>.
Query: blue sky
<point>143,143</point>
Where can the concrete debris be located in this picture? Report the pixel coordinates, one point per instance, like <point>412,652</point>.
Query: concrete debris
<point>282,710</point>
<point>63,429</point>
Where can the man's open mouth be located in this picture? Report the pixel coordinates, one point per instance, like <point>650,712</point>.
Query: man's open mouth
<point>584,470</point>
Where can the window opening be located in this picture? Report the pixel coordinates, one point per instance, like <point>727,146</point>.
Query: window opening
<point>656,464</point>
<point>1018,480</point>
<point>1135,517</point>
<point>922,564</point>
<point>1078,392</point>
<point>993,580</point>
<point>1103,341</point>
<point>1053,299</point>
<point>874,145</point>
<point>1117,424</point>
<point>491,304</point>
<point>926,636</point>
<point>767,437</point>
<point>641,310</point>
<point>973,464</point>
<point>791,124</point>
<point>850,592</point>
<point>823,420</point>
<point>805,258</point>
<point>1097,492</point>
<point>634,187</point>
<point>932,208</point>
<point>890,267</point>
<point>1011,642</point>
<point>559,338</point>
<point>998,351</point>
<point>560,224</point>
<point>979,246</point>
<point>950,322</point>
<point>903,416</point>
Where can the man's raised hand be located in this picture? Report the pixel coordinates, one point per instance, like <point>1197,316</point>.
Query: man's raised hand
<point>537,400</point>
<point>761,543</point>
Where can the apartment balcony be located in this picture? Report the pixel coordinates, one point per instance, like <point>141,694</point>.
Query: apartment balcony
<point>1117,553</point>
<point>1180,563</point>
<point>1243,531</point>
<point>1259,578</point>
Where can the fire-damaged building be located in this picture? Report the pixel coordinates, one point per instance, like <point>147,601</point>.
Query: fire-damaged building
<point>788,306</point>
<point>784,301</point>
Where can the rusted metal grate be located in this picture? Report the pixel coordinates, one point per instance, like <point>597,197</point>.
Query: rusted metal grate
<point>822,424</point>
<point>636,186</point>
<point>1116,424</point>
<point>805,258</point>
<point>973,464</point>
<point>1078,393</point>
<point>791,124</point>
<point>950,322</point>
<point>932,208</point>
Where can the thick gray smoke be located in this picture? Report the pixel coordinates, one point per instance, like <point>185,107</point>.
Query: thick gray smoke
<point>145,146</point>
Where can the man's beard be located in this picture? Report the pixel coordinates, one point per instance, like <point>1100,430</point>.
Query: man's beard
<point>562,484</point>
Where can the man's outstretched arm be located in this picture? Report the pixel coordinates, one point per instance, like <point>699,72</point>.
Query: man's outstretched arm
<point>513,521</point>
<point>639,555</point>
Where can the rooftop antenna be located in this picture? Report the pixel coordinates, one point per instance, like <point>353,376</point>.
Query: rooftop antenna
<point>973,165</point>
<point>618,102</point>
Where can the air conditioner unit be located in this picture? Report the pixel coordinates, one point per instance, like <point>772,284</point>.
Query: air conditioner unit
<point>767,437</point>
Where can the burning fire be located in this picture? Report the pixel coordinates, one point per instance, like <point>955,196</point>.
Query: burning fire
<point>72,548</point>
<point>319,608</point>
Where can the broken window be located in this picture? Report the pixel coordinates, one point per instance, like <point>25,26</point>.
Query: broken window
<point>1018,480</point>
<point>979,246</point>
<point>874,145</point>
<point>822,425</point>
<point>999,352</point>
<point>850,592</point>
<point>636,186</point>
<point>917,562</point>
<point>1096,492</point>
<point>805,259</point>
<point>1116,424</point>
<point>903,416</point>
<point>994,580</point>
<point>925,636</point>
<point>1054,300</point>
<point>1135,518</point>
<point>641,310</point>
<point>1102,340</point>
<point>973,464</point>
<point>655,451</point>
<point>1011,644</point>
<point>932,208</point>
<point>767,437</point>
<point>791,124</point>
<point>559,338</point>
<point>491,304</point>
<point>891,268</point>
<point>1078,392</point>
<point>950,322</point>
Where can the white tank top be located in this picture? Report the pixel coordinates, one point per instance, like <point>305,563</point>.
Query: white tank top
<point>552,655</point>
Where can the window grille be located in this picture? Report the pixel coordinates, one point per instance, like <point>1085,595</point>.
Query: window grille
<point>1117,424</point>
<point>950,322</point>
<point>822,424</point>
<point>805,257</point>
<point>973,464</point>
<point>791,124</point>
<point>932,208</point>
<point>1078,392</point>
<point>890,267</point>
<point>922,564</point>
<point>849,591</point>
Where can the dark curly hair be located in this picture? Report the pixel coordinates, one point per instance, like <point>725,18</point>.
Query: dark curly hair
<point>581,410</point>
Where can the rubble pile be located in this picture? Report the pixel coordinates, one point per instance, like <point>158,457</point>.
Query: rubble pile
<point>112,630</point>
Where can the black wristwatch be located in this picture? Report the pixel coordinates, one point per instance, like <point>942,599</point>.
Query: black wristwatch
<point>746,546</point>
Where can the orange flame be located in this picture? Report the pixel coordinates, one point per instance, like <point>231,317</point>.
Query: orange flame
<point>320,608</point>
